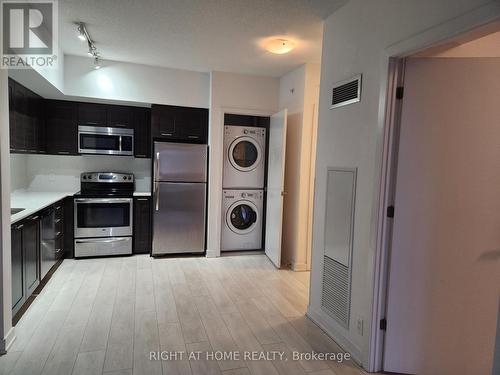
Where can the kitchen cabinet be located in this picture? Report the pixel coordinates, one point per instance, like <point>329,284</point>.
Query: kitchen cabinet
<point>25,258</point>
<point>25,120</point>
<point>92,114</point>
<point>61,127</point>
<point>31,254</point>
<point>68,228</point>
<point>183,124</point>
<point>12,117</point>
<point>17,273</point>
<point>142,225</point>
<point>142,132</point>
<point>119,116</point>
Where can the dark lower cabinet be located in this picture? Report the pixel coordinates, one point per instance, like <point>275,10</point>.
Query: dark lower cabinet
<point>142,225</point>
<point>37,245</point>
<point>31,254</point>
<point>25,255</point>
<point>18,295</point>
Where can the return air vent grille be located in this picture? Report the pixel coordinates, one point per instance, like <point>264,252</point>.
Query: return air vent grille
<point>336,296</point>
<point>346,92</point>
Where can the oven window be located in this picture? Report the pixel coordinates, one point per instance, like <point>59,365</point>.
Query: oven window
<point>99,142</point>
<point>103,215</point>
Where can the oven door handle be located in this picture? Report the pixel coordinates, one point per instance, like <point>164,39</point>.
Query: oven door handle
<point>121,239</point>
<point>103,200</point>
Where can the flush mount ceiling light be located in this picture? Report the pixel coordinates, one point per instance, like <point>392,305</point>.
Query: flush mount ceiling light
<point>280,46</point>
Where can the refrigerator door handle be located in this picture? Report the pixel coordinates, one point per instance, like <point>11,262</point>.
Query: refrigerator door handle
<point>157,196</point>
<point>157,166</point>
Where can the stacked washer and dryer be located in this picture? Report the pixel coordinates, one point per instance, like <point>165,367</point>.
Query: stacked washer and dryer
<point>243,187</point>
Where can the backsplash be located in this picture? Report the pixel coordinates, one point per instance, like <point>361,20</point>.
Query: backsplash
<point>18,171</point>
<point>62,173</point>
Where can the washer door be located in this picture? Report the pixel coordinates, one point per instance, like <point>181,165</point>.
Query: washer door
<point>242,217</point>
<point>245,154</point>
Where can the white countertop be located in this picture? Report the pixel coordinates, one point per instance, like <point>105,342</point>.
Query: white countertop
<point>33,201</point>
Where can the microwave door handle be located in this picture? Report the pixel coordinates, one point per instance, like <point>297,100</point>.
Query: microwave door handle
<point>120,143</point>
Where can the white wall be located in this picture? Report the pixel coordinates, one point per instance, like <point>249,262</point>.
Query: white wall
<point>135,83</point>
<point>355,41</point>
<point>62,173</point>
<point>6,330</point>
<point>299,91</point>
<point>234,93</point>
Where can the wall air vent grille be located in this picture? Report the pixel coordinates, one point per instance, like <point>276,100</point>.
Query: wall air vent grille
<point>336,295</point>
<point>346,92</point>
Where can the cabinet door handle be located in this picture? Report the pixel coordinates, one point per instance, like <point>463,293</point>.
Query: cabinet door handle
<point>35,218</point>
<point>193,136</point>
<point>57,221</point>
<point>142,199</point>
<point>19,227</point>
<point>58,234</point>
<point>167,134</point>
<point>120,125</point>
<point>92,123</point>
<point>140,156</point>
<point>63,152</point>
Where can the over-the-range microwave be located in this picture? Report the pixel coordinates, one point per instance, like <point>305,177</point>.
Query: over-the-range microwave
<point>105,141</point>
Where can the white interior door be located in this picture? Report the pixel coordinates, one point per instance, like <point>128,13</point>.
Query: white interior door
<point>275,186</point>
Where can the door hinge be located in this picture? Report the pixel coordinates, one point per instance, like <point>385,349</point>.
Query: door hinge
<point>400,92</point>
<point>383,324</point>
<point>390,211</point>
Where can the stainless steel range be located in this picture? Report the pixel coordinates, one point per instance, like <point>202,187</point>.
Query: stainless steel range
<point>104,214</point>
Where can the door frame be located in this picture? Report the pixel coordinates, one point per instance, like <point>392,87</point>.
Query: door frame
<point>478,22</point>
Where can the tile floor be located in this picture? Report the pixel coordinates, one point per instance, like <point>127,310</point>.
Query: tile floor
<point>106,316</point>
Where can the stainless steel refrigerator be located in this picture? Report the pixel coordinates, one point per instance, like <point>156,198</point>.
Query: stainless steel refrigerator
<point>179,198</point>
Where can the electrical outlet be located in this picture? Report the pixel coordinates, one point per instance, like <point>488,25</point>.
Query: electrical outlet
<point>359,326</point>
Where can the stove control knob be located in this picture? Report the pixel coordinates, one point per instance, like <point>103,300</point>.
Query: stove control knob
<point>84,177</point>
<point>243,195</point>
<point>124,177</point>
<point>129,178</point>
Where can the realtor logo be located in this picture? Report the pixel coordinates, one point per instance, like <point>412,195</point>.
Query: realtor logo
<point>29,30</point>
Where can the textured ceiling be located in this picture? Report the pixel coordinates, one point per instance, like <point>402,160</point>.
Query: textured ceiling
<point>201,35</point>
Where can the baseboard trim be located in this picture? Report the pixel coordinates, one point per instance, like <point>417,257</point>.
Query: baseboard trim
<point>8,340</point>
<point>300,267</point>
<point>212,254</point>
<point>321,320</point>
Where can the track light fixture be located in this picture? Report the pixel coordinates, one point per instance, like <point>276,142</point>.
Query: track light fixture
<point>84,35</point>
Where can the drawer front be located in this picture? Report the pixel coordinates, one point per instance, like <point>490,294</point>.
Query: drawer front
<point>103,247</point>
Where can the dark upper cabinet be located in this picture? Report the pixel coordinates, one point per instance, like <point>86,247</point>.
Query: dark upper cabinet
<point>163,121</point>
<point>179,123</point>
<point>31,254</point>
<point>192,124</point>
<point>61,127</point>
<point>12,117</point>
<point>119,116</point>
<point>142,225</point>
<point>142,132</point>
<point>92,114</point>
<point>17,273</point>
<point>27,130</point>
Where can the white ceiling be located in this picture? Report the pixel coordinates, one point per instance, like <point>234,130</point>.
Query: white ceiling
<point>201,35</point>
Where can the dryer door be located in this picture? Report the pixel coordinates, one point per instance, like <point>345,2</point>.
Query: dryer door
<point>245,154</point>
<point>242,217</point>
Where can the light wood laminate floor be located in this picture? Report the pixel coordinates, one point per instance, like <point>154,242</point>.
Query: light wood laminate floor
<point>106,315</point>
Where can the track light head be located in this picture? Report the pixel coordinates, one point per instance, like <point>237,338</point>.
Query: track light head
<point>81,32</point>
